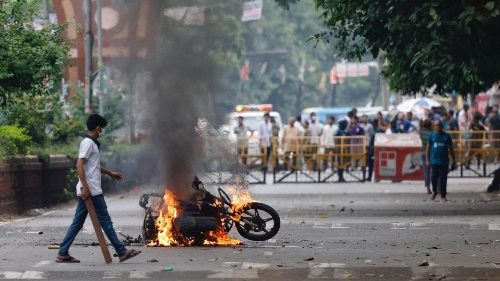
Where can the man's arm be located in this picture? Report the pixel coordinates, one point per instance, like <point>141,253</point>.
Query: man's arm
<point>115,175</point>
<point>81,175</point>
<point>427,153</point>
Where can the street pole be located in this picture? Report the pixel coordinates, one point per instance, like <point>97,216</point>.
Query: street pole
<point>100,65</point>
<point>46,11</point>
<point>88,57</point>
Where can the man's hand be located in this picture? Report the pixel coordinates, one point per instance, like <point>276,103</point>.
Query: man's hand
<point>116,175</point>
<point>85,192</point>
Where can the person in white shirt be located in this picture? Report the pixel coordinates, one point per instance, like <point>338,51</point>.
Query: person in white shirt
<point>316,129</point>
<point>89,171</point>
<point>328,140</point>
<point>266,139</point>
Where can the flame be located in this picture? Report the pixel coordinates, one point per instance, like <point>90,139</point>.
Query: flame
<point>241,199</point>
<point>168,236</point>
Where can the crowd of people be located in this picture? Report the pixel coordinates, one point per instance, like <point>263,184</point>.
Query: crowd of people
<point>311,137</point>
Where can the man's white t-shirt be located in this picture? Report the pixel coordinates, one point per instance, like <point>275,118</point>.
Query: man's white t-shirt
<point>92,167</point>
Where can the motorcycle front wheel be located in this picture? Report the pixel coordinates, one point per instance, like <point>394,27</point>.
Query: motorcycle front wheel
<point>259,222</point>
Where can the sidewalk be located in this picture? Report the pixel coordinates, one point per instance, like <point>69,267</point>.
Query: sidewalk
<point>455,185</point>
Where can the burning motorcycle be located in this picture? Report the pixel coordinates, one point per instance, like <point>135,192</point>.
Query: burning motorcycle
<point>206,219</point>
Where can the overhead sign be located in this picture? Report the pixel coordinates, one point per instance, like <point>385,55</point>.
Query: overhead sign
<point>252,10</point>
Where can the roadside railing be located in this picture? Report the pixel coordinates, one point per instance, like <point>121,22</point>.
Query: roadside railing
<point>304,159</point>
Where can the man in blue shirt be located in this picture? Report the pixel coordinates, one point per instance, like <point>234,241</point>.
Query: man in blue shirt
<point>439,146</point>
<point>402,125</point>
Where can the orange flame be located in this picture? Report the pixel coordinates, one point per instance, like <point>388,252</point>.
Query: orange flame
<point>167,236</point>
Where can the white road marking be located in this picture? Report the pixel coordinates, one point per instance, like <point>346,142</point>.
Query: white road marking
<point>31,232</point>
<point>112,275</point>
<point>326,265</point>
<point>272,241</point>
<point>42,263</point>
<point>420,228</point>
<point>493,226</point>
<point>10,275</point>
<point>322,225</point>
<point>138,275</point>
<point>32,275</point>
<point>21,275</point>
<point>268,253</point>
<point>398,227</point>
<point>251,265</point>
<point>233,274</point>
<point>339,226</point>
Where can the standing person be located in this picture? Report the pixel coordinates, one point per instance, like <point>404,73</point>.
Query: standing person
<point>495,130</point>
<point>316,128</point>
<point>307,147</point>
<point>89,171</point>
<point>439,146</point>
<point>464,121</point>
<point>402,125</point>
<point>265,139</point>
<point>328,141</point>
<point>452,121</point>
<point>342,147</point>
<point>381,124</point>
<point>369,142</point>
<point>424,132</point>
<point>356,144</point>
<point>275,134</point>
<point>414,123</point>
<point>241,132</point>
<point>291,141</point>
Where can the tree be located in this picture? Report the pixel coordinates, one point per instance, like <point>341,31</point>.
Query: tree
<point>31,59</point>
<point>288,91</point>
<point>450,44</point>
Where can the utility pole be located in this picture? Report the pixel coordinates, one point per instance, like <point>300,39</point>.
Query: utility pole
<point>89,38</point>
<point>46,11</point>
<point>100,65</point>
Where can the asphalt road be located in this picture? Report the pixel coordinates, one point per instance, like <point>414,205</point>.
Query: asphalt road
<point>366,231</point>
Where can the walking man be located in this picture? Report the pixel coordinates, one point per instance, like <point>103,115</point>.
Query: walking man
<point>439,146</point>
<point>89,171</point>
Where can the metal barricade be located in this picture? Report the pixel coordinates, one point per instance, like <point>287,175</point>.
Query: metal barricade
<point>309,162</point>
<point>477,153</point>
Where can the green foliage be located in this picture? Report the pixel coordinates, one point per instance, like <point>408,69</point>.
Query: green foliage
<point>288,31</point>
<point>451,44</point>
<point>13,141</point>
<point>31,61</point>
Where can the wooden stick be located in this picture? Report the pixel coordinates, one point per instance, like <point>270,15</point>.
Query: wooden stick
<point>98,230</point>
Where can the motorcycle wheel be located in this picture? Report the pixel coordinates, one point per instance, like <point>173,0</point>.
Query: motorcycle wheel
<point>266,219</point>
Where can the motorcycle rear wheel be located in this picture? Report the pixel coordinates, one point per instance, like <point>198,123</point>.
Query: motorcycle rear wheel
<point>255,214</point>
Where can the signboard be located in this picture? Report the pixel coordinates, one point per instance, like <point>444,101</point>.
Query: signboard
<point>252,10</point>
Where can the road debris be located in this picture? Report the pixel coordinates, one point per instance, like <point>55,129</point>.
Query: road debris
<point>309,259</point>
<point>152,260</point>
<point>424,263</point>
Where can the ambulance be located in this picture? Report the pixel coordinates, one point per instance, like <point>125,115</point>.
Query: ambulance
<point>253,116</point>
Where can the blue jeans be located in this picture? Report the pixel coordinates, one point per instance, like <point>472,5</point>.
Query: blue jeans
<point>102,214</point>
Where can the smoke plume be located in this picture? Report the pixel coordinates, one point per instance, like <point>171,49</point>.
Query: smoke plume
<point>180,77</point>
